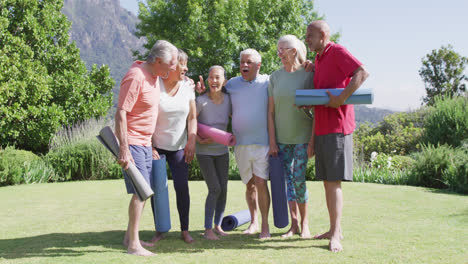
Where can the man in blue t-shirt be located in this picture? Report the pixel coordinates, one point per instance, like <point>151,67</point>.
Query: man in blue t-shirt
<point>249,98</point>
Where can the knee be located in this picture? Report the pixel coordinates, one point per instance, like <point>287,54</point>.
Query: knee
<point>215,191</point>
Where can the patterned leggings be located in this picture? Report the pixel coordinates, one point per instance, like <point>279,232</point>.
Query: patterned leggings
<point>294,157</point>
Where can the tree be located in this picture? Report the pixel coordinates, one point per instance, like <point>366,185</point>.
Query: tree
<point>443,73</point>
<point>43,82</point>
<point>216,31</point>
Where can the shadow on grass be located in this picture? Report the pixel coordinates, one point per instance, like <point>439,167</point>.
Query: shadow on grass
<point>76,244</point>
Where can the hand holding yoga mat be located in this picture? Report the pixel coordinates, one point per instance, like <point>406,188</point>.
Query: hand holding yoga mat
<point>320,96</point>
<point>230,222</point>
<point>142,189</point>
<point>161,211</point>
<point>278,192</point>
<point>217,135</point>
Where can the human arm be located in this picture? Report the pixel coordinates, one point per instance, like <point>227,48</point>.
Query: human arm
<point>125,156</point>
<point>359,76</point>
<point>189,150</point>
<point>271,127</point>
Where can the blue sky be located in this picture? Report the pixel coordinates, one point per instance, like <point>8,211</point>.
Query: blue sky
<point>391,38</point>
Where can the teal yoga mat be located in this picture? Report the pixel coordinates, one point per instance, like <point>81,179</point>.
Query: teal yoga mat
<point>160,200</point>
<point>278,192</point>
<point>233,221</point>
<point>320,96</point>
<point>142,188</point>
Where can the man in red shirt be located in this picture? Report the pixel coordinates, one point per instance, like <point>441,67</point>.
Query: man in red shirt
<point>135,120</point>
<point>332,139</point>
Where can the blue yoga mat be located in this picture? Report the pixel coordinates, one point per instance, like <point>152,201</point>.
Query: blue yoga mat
<point>160,201</point>
<point>320,96</point>
<point>230,222</point>
<point>278,193</point>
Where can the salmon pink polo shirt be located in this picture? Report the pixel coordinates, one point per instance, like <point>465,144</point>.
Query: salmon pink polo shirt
<point>139,97</point>
<point>334,69</point>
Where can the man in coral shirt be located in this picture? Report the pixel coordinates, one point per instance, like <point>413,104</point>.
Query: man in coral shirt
<point>332,139</point>
<point>135,120</point>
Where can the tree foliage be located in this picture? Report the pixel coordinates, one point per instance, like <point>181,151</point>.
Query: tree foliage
<point>216,31</point>
<point>443,73</point>
<point>43,82</point>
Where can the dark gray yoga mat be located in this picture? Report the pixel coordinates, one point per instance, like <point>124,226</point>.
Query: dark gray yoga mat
<point>233,221</point>
<point>278,192</point>
<point>161,211</point>
<point>142,188</point>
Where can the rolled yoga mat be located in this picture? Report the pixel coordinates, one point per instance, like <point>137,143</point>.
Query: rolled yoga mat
<point>142,188</point>
<point>278,192</point>
<point>217,135</point>
<point>320,96</point>
<point>161,211</point>
<point>231,222</point>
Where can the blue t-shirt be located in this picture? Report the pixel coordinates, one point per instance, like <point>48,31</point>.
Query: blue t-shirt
<point>249,101</point>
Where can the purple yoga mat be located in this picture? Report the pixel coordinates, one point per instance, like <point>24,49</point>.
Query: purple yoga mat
<point>217,135</point>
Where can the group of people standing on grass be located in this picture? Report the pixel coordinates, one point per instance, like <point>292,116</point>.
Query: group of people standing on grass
<point>158,114</point>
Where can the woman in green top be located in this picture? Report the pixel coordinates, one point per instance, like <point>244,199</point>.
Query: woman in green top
<point>289,128</point>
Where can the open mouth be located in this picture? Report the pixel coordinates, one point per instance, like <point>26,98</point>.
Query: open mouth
<point>245,70</point>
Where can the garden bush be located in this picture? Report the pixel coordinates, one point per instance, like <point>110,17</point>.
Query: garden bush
<point>442,167</point>
<point>21,166</point>
<point>447,123</point>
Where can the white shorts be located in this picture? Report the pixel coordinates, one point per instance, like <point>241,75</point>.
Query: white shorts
<point>252,159</point>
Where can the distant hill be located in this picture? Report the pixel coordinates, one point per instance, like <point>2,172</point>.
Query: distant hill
<point>373,115</point>
<point>104,33</point>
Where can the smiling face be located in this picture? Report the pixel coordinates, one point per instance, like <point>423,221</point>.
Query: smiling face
<point>216,79</point>
<point>249,67</point>
<point>163,69</point>
<point>179,73</point>
<point>286,53</point>
<point>316,38</point>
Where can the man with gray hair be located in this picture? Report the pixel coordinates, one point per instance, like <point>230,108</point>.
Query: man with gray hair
<point>249,97</point>
<point>135,121</point>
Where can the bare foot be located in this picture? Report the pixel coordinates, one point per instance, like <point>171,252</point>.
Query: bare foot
<point>293,230</point>
<point>140,251</point>
<point>326,235</point>
<point>142,243</point>
<point>335,245</point>
<point>305,234</point>
<point>158,236</point>
<point>265,232</point>
<point>186,237</point>
<point>210,235</point>
<point>252,229</point>
<point>220,231</point>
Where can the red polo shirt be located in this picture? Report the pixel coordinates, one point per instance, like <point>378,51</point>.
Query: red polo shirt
<point>334,69</point>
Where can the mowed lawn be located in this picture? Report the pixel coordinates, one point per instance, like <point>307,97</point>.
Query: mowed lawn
<point>84,222</point>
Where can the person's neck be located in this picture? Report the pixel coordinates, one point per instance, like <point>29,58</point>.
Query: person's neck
<point>216,96</point>
<point>290,67</point>
<point>148,67</point>
<point>170,84</point>
<point>324,46</point>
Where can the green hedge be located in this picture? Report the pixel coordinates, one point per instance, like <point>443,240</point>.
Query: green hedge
<point>20,166</point>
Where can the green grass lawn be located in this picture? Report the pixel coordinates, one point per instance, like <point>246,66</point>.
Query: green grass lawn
<point>84,222</point>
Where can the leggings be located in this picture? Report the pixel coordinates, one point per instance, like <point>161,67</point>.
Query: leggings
<point>294,157</point>
<point>179,170</point>
<point>215,170</point>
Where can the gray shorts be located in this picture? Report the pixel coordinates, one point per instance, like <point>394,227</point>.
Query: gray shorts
<point>143,157</point>
<point>334,157</point>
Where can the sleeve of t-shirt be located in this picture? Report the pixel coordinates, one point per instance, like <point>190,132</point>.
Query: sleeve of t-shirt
<point>129,92</point>
<point>309,80</point>
<point>270,86</point>
<point>198,104</point>
<point>347,62</point>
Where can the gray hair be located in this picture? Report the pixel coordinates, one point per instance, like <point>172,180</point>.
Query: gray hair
<point>255,55</point>
<point>217,67</point>
<point>294,42</point>
<point>162,49</point>
<point>182,56</point>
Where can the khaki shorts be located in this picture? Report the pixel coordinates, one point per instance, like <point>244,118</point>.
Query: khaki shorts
<point>252,159</point>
